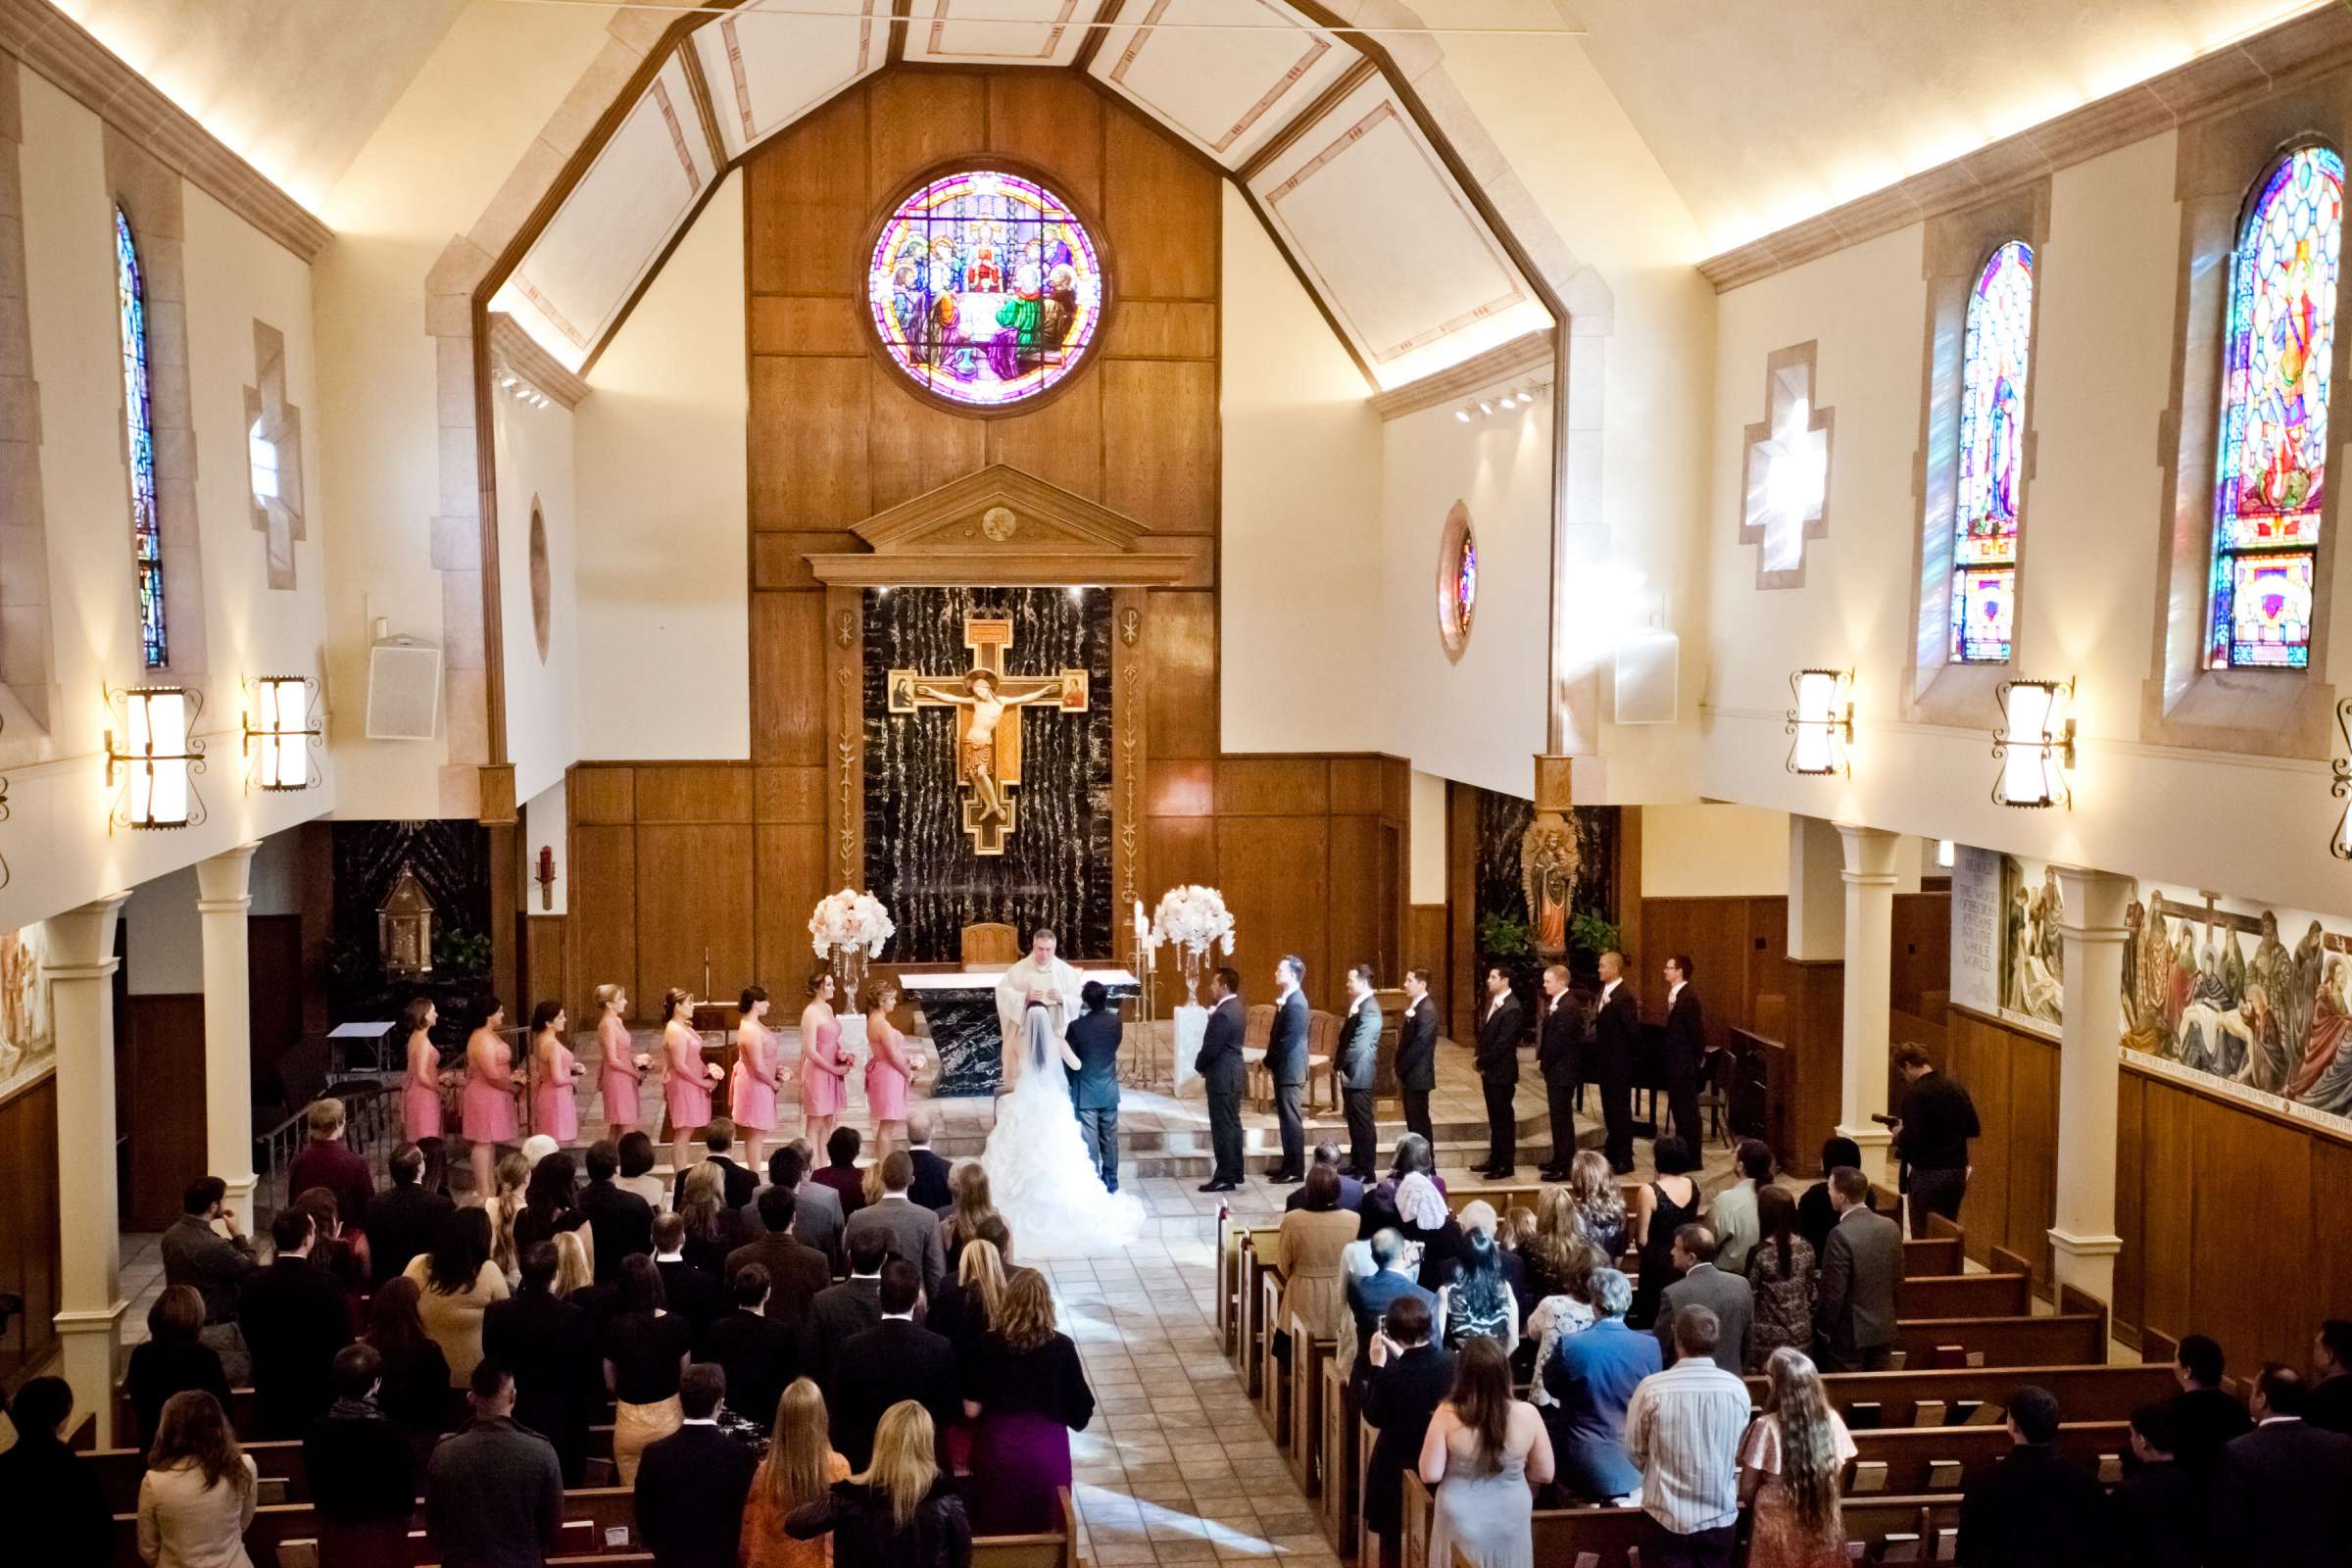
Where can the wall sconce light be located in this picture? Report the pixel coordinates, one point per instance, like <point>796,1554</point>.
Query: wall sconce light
<point>1823,722</point>
<point>154,755</point>
<point>281,731</point>
<point>2036,742</point>
<point>1947,854</point>
<point>2339,843</point>
<point>545,876</point>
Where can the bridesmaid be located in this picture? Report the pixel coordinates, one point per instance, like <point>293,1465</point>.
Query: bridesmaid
<point>686,1086</point>
<point>822,1068</point>
<point>887,1071</point>
<point>554,1103</point>
<point>420,1086</point>
<point>752,1089</point>
<point>620,1073</point>
<point>486,1107</point>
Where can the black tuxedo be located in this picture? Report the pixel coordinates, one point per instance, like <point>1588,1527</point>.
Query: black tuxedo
<point>693,1293</point>
<point>2282,1496</point>
<point>893,1361</point>
<point>1417,1064</point>
<point>404,1221</point>
<point>1499,1031</point>
<point>551,1346</point>
<point>1614,1031</point>
<point>1686,1052</point>
<point>1094,1086</point>
<point>742,1186</point>
<point>691,1487</point>
<point>930,1189</point>
<point>1286,1061</point>
<point>1219,1064</point>
<point>624,1224</point>
<point>761,1355</point>
<point>1559,1054</point>
<point>1358,1067</point>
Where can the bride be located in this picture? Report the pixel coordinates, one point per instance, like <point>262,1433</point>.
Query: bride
<point>1043,1181</point>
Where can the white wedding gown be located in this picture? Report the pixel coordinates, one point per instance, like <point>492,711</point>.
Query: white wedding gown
<point>1043,1180</point>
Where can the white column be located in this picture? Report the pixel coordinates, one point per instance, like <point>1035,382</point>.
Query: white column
<point>223,897</point>
<point>1869,878</point>
<point>80,969</point>
<point>2083,1243</point>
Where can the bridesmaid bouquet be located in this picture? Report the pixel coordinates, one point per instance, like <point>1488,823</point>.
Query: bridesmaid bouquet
<point>712,1072</point>
<point>643,1061</point>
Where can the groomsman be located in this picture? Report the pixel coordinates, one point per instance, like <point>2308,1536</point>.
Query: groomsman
<point>1614,1032</point>
<point>1359,1070</point>
<point>1499,1033</point>
<point>1686,1049</point>
<point>1285,1062</point>
<point>1417,1053</point>
<point>1219,1064</point>
<point>1559,1053</point>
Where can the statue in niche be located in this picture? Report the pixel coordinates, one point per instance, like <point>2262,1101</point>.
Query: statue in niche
<point>1548,862</point>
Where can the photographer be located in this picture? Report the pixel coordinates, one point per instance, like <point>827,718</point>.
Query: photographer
<point>1931,1138</point>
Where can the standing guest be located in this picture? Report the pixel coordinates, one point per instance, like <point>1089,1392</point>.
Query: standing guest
<point>1477,1302</point>
<point>1222,1073</point>
<point>363,1472</point>
<point>197,1498</point>
<point>55,1505</point>
<point>494,1492</point>
<point>1662,1207</point>
<point>688,1289</point>
<point>1423,1219</point>
<point>486,1105</point>
<point>1702,1283</point>
<point>760,1353</point>
<point>1683,1430</point>
<point>551,1205</point>
<point>1599,1202</point>
<point>1406,1379</point>
<point>1591,1379</point>
<point>1555,1246</point>
<point>930,1188</point>
<point>1499,1026</point>
<point>637,1171</point>
<point>1359,1064</point>
<point>2330,1403</point>
<point>890,1068</point>
<point>1568,1311</point>
<point>2157,1516</point>
<point>1614,1033</point>
<point>816,1215</point>
<point>1789,1465</point>
<point>621,1221</point>
<point>555,1073</point>
<point>1686,1050</point>
<point>1483,1451</point>
<point>972,1207</point>
<point>645,1348</point>
<point>295,1320</point>
<point>1732,1214</point>
<point>895,1359</point>
<point>713,1229</point>
<point>1779,1274</point>
<point>685,1080</point>
<point>1094,1036</point>
<point>2209,1415</point>
<point>841,1312</point>
<point>420,1079</point>
<point>1029,1394</point>
<point>215,1263</point>
<point>969,1305</point>
<point>1351,1190</point>
<point>1370,1296</point>
<point>2034,1509</point>
<point>404,1217</point>
<point>173,1358</point>
<point>910,1232</point>
<point>752,1088</point>
<point>737,1182</point>
<point>457,1284</point>
<point>1379,1206</point>
<point>692,1484</point>
<point>794,1273</point>
<point>1308,1250</point>
<point>327,1162</point>
<point>900,1511</point>
<point>1862,1263</point>
<point>339,1250</point>
<point>1286,1063</point>
<point>800,1467</point>
<point>512,1173</point>
<point>1932,1136</point>
<point>823,1066</point>
<point>577,1282</point>
<point>841,1175</point>
<point>1814,1213</point>
<point>549,1345</point>
<point>1560,1030</point>
<point>619,1068</point>
<point>2281,1493</point>
<point>1417,1053</point>
<point>413,1371</point>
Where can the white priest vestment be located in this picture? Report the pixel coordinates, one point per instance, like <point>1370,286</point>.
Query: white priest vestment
<point>1058,984</point>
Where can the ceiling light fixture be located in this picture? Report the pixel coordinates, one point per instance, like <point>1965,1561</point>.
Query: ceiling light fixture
<point>1823,722</point>
<point>1947,854</point>
<point>2036,742</point>
<point>1462,414</point>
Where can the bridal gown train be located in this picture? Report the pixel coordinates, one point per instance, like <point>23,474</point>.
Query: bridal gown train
<point>1039,1172</point>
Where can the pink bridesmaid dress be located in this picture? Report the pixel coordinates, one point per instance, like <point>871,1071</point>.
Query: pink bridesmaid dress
<point>886,1074</point>
<point>821,1091</point>
<point>420,1091</point>
<point>752,1087</point>
<point>486,1107</point>
<point>687,1088</point>
<point>555,1106</point>
<point>619,1076</point>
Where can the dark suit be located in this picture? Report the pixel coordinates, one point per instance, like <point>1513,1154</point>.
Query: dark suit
<point>295,1320</point>
<point>1685,1054</point>
<point>1286,1062</point>
<point>1560,1054</point>
<point>1614,1032</point>
<point>404,1221</point>
<point>1499,1031</point>
<point>1398,1402</point>
<point>1219,1064</point>
<point>1094,1086</point>
<point>893,1361</point>
<point>2033,1509</point>
<point>796,1273</point>
<point>742,1186</point>
<point>1417,1064</point>
<point>930,1189</point>
<point>691,1487</point>
<point>2157,1518</point>
<point>1369,1298</point>
<point>550,1346</point>
<point>363,1480</point>
<point>1359,1069</point>
<point>838,1314</point>
<point>624,1224</point>
<point>761,1355</point>
<point>2282,1496</point>
<point>1727,1295</point>
<point>1853,1313</point>
<point>693,1293</point>
<point>2330,1403</point>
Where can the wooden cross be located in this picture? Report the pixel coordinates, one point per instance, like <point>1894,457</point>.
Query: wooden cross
<point>273,449</point>
<point>986,768</point>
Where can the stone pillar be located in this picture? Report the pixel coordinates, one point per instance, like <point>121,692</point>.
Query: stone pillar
<point>1869,878</point>
<point>80,969</point>
<point>223,897</point>
<point>2083,1242</point>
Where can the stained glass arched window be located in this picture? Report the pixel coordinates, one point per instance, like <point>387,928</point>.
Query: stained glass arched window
<point>2273,439</point>
<point>985,287</point>
<point>1457,580</point>
<point>1992,427</point>
<point>146,533</point>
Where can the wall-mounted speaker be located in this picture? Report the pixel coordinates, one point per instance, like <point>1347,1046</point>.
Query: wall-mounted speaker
<point>1648,664</point>
<point>404,690</point>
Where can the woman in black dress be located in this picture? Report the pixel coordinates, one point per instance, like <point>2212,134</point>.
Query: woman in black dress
<point>172,1358</point>
<point>901,1512</point>
<point>1662,1208</point>
<point>1029,1394</point>
<point>416,1390</point>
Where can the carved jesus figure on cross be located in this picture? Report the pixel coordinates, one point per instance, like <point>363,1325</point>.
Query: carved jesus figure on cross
<point>988,750</point>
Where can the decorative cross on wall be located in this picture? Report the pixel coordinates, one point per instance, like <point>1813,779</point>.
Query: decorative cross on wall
<point>988,748</point>
<point>1785,470</point>
<point>273,449</point>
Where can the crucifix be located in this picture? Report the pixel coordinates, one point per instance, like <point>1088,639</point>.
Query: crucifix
<point>988,749</point>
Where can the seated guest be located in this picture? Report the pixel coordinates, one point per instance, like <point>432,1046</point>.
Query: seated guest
<point>1477,1298</point>
<point>457,1283</point>
<point>1780,1276</point>
<point>172,1358</point>
<point>414,1369</point>
<point>197,1498</point>
<point>1791,1463</point>
<point>1406,1379</point>
<point>796,1271</point>
<point>2282,1493</point>
<point>51,1497</point>
<point>971,1204</point>
<point>404,1218</point>
<point>719,1139</point>
<point>895,1359</point>
<point>817,1216</point>
<point>899,1512</point>
<point>1814,1213</point>
<point>2330,1403</point>
<point>327,1162</point>
<point>1352,1190</point>
<point>2034,1509</point>
<point>549,1347</point>
<point>493,1492</point>
<point>213,1263</point>
<point>1682,1430</point>
<point>2208,1415</point>
<point>1732,1214</point>
<point>622,1221</point>
<point>1702,1283</point>
<point>295,1319</point>
<point>1370,1296</point>
<point>689,1289</point>
<point>691,1485</point>
<point>801,1466</point>
<point>841,1311</point>
<point>841,1172</point>
<point>2157,1516</point>
<point>1591,1379</point>
<point>551,1202</point>
<point>637,1171</point>
<point>912,1233</point>
<point>1483,1451</point>
<point>929,1189</point>
<point>713,1229</point>
<point>646,1347</point>
<point>762,1354</point>
<point>363,1472</point>
<point>1029,1394</point>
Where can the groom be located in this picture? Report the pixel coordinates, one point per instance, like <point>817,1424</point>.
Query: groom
<point>1094,1037</point>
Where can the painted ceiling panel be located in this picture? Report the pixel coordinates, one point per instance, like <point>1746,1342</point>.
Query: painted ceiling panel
<point>1006,32</point>
<point>1228,91</point>
<point>768,70</point>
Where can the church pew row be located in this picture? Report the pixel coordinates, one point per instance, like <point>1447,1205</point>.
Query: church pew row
<point>284,1473</point>
<point>2075,1335</point>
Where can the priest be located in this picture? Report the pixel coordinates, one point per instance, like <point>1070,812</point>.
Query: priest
<point>1044,978</point>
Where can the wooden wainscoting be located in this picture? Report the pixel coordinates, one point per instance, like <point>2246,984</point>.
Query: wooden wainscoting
<point>160,1095</point>
<point>28,1226</point>
<point>2013,1078</point>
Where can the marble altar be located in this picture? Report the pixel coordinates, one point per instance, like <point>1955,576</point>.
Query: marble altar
<point>961,1012</point>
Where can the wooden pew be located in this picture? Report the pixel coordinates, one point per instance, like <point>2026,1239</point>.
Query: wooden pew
<point>1906,1460</point>
<point>2075,1335</point>
<point>1258,1253</point>
<point>284,1474</point>
<point>1273,1388</point>
<point>1942,1251</point>
<point>1342,1462</point>
<point>2094,1392</point>
<point>280,1526</point>
<point>1229,1276</point>
<point>2006,1290</point>
<point>1310,1357</point>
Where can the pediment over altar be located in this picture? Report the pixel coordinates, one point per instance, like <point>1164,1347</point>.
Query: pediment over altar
<point>1002,526</point>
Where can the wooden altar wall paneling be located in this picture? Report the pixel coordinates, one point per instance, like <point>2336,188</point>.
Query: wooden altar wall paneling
<point>788,686</point>
<point>1180,643</point>
<point>1813,1026</point>
<point>547,967</point>
<point>694,895</point>
<point>603,928</point>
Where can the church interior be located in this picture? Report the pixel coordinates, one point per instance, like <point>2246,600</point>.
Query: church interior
<point>1507,597</point>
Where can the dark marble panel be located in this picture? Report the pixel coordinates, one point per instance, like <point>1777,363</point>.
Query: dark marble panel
<point>971,1040</point>
<point>1056,867</point>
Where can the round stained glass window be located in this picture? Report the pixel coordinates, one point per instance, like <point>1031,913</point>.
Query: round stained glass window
<point>985,287</point>
<point>1457,580</point>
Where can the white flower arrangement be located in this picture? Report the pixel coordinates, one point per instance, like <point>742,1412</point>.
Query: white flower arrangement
<point>1194,918</point>
<point>850,921</point>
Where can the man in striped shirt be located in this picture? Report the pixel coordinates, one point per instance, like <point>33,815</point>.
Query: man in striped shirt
<point>1682,1430</point>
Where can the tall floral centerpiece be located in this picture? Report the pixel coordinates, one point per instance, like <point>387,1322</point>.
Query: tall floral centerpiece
<point>1194,918</point>
<point>850,928</point>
